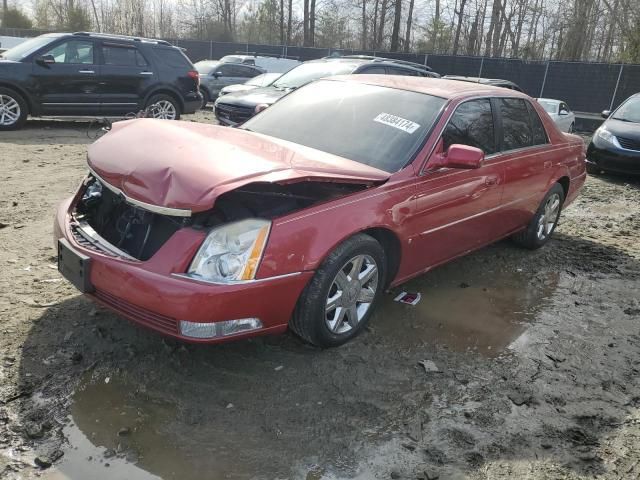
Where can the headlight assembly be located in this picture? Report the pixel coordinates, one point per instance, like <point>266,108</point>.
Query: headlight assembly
<point>606,136</point>
<point>232,252</point>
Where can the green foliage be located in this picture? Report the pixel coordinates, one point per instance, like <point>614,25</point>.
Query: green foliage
<point>332,30</point>
<point>78,19</point>
<point>14,18</point>
<point>262,25</point>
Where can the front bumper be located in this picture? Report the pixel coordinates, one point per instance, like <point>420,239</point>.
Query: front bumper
<point>614,159</point>
<point>154,295</point>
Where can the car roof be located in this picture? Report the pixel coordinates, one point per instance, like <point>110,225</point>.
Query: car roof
<point>478,79</point>
<point>438,87</point>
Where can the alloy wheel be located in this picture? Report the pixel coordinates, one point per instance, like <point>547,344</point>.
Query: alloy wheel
<point>351,294</point>
<point>549,216</point>
<point>9,110</point>
<point>164,110</point>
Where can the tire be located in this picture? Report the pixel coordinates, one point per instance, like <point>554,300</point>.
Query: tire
<point>593,169</point>
<point>13,109</point>
<point>544,222</point>
<point>164,107</point>
<point>333,283</point>
<point>206,98</point>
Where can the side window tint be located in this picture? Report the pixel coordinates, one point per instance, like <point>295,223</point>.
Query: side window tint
<point>122,56</point>
<point>472,124</point>
<point>402,71</point>
<point>73,52</point>
<point>539,133</point>
<point>516,125</point>
<point>374,71</point>
<point>172,57</point>
<point>226,70</point>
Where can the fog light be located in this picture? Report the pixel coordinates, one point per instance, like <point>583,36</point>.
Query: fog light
<point>219,329</point>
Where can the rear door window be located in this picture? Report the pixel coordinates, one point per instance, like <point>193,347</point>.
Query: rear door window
<point>122,56</point>
<point>377,70</point>
<point>402,71</point>
<point>472,124</point>
<point>516,123</point>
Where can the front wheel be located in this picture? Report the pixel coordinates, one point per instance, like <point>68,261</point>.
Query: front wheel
<point>338,301</point>
<point>163,107</point>
<point>13,109</point>
<point>544,222</point>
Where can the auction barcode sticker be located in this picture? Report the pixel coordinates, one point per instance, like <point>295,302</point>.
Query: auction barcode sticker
<point>397,122</point>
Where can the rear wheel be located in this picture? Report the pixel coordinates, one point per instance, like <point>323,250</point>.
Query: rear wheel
<point>544,222</point>
<point>164,107</point>
<point>13,109</point>
<point>338,301</point>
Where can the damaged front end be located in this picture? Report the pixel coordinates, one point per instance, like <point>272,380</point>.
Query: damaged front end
<point>103,219</point>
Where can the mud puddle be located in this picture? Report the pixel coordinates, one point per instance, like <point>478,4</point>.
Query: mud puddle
<point>465,307</point>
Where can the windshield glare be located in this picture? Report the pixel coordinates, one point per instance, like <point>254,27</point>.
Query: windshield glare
<point>378,126</point>
<point>549,107</point>
<point>308,72</point>
<point>205,68</point>
<point>262,80</point>
<point>629,111</point>
<point>26,48</point>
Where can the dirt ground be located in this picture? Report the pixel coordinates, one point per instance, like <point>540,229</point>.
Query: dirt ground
<point>515,364</point>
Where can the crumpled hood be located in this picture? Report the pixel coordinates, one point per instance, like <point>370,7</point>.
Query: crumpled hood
<point>187,165</point>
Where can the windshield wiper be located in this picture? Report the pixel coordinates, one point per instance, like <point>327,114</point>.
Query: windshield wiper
<point>624,120</point>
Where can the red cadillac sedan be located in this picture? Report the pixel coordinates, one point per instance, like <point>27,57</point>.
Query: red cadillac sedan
<point>306,214</point>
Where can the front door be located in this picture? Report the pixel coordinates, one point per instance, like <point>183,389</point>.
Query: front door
<point>125,77</point>
<point>68,84</point>
<point>457,209</point>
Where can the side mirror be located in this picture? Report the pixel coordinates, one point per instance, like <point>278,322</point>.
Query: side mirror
<point>45,60</point>
<point>564,112</point>
<point>463,156</point>
<point>606,113</point>
<point>217,74</point>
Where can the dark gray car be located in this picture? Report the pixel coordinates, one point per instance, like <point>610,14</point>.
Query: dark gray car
<point>215,75</point>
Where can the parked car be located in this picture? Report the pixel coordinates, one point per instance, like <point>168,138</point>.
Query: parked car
<point>72,74</point>
<point>560,113</point>
<point>494,82</point>
<point>269,63</point>
<point>236,108</point>
<point>263,80</point>
<point>215,75</point>
<point>306,214</point>
<point>615,146</point>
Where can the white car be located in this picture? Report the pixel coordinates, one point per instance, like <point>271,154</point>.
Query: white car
<point>263,80</point>
<point>560,112</point>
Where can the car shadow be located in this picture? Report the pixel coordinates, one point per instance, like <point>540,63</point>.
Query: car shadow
<point>632,181</point>
<point>260,407</point>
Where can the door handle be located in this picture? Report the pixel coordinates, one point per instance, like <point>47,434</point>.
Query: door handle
<point>146,73</point>
<point>86,71</point>
<point>489,181</point>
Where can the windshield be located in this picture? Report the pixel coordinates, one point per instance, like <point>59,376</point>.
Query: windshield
<point>263,80</point>
<point>378,126</point>
<point>629,111</point>
<point>550,107</point>
<point>26,48</point>
<point>308,72</point>
<point>205,68</point>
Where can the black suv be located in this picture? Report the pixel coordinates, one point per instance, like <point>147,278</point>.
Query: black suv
<point>236,108</point>
<point>92,74</point>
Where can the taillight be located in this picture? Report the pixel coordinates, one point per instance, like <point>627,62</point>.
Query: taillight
<point>196,77</point>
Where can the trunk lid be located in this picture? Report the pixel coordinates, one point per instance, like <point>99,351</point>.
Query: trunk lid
<point>185,165</point>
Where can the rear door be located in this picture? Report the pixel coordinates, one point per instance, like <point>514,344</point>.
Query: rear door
<point>457,209</point>
<point>69,85</point>
<point>528,158</point>
<point>126,75</point>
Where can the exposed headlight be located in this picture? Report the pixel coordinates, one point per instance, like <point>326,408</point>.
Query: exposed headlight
<point>231,253</point>
<point>606,136</point>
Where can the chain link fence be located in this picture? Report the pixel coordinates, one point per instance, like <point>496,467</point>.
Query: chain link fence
<point>584,86</point>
